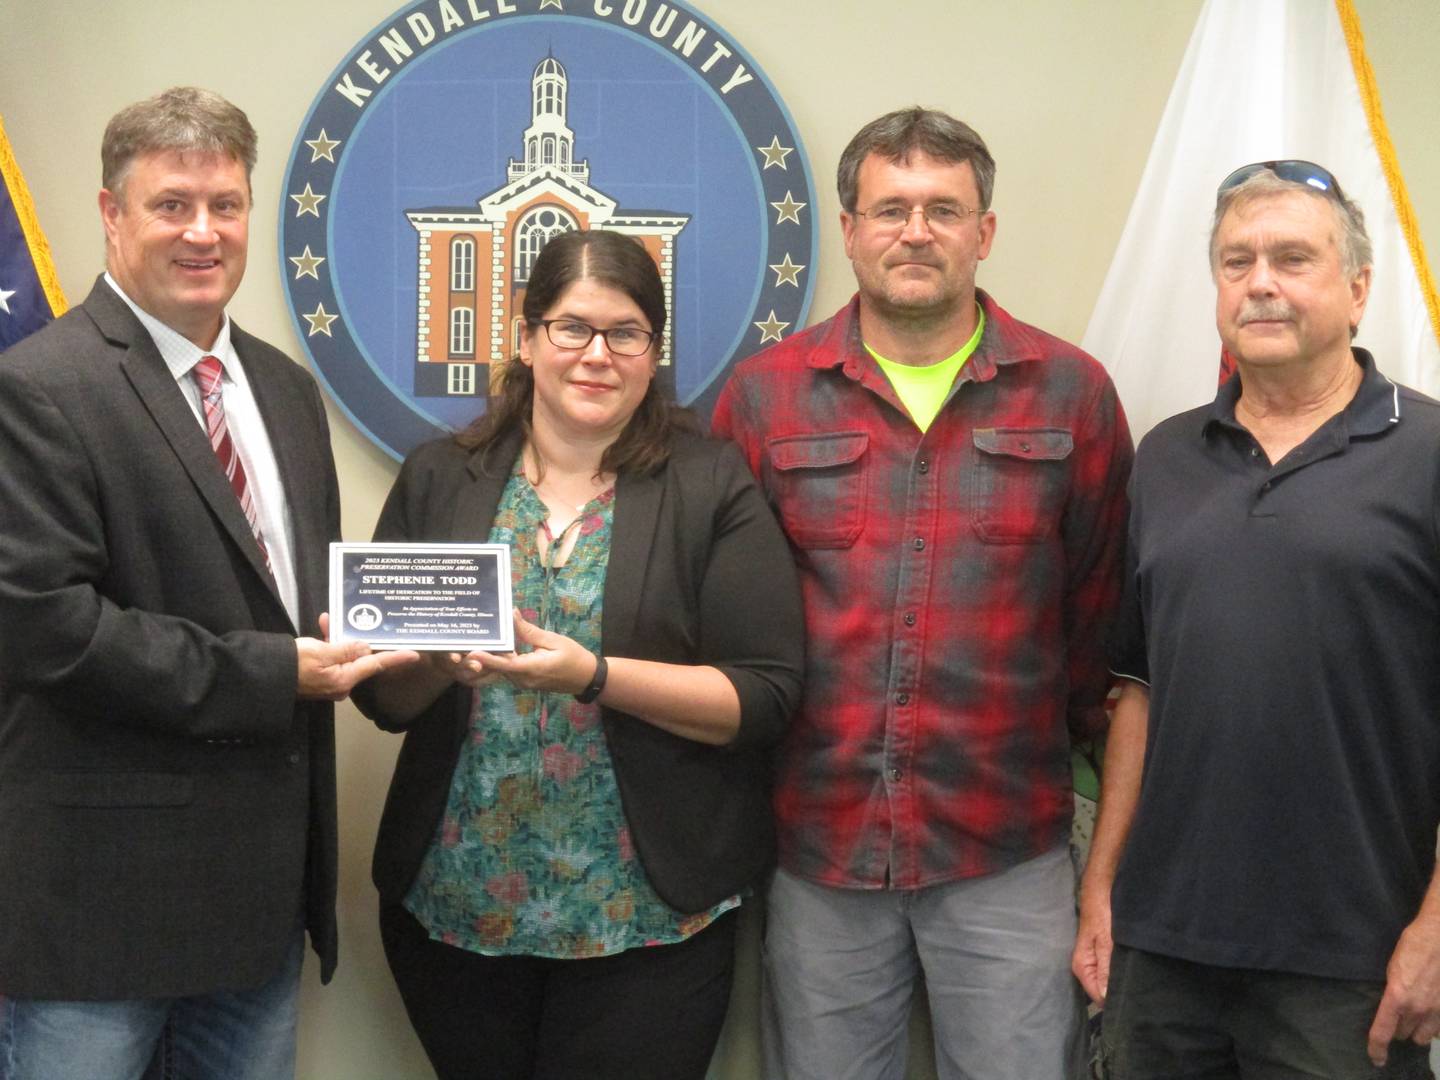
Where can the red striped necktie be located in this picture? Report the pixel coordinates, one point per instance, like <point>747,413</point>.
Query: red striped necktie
<point>207,372</point>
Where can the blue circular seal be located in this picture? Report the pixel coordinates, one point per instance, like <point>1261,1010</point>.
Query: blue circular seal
<point>461,135</point>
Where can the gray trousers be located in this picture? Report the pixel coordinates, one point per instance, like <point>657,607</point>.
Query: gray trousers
<point>841,967</point>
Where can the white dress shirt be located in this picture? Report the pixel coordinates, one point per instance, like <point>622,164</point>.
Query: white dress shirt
<point>247,429</point>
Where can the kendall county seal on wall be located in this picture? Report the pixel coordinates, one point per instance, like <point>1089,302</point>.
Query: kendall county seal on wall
<point>461,135</point>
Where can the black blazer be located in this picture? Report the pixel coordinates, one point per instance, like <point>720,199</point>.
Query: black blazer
<point>167,805</point>
<point>699,573</point>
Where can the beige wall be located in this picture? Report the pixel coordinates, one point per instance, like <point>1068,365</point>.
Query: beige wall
<point>1067,94</point>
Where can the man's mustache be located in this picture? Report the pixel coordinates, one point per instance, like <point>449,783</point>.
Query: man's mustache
<point>1266,311</point>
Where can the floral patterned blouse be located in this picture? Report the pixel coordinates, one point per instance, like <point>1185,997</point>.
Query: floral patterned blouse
<point>533,854</point>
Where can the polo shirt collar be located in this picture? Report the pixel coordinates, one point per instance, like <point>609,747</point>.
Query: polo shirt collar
<point>1374,409</point>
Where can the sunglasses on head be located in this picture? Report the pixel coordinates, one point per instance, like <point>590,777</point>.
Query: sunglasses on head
<point>1294,170</point>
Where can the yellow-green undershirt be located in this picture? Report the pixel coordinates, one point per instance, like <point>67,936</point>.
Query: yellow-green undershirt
<point>922,390</point>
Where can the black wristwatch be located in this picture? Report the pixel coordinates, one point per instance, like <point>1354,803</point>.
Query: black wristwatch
<point>597,682</point>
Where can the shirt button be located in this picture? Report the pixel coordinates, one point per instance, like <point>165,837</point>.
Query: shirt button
<point>918,543</point>
<point>1025,447</point>
<point>294,759</point>
<point>894,775</point>
<point>924,466</point>
<point>1265,486</point>
<point>902,698</point>
<point>909,618</point>
<point>1254,451</point>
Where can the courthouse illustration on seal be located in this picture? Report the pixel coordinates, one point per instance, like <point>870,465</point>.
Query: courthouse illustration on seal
<point>474,261</point>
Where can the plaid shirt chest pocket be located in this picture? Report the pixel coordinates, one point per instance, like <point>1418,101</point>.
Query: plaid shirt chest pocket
<point>817,482</point>
<point>1018,483</point>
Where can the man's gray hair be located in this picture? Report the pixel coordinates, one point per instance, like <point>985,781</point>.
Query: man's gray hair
<point>184,119</point>
<point>896,135</point>
<point>1353,241</point>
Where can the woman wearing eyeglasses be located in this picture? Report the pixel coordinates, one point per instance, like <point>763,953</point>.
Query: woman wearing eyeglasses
<point>571,826</point>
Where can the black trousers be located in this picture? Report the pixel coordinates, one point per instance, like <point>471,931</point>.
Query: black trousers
<point>650,1013</point>
<point>1170,1019</point>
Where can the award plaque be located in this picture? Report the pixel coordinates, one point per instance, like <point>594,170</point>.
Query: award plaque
<point>435,597</point>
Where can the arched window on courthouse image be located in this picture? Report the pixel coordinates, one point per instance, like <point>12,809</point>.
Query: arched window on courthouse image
<point>535,230</point>
<point>462,264</point>
<point>462,332</point>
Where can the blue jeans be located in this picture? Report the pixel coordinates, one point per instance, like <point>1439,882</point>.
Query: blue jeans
<point>224,1035</point>
<point>842,965</point>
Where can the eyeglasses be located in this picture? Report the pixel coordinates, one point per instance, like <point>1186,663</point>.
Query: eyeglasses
<point>620,340</point>
<point>1294,170</point>
<point>893,217</point>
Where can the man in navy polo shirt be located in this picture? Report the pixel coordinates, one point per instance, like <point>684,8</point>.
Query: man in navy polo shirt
<point>1267,881</point>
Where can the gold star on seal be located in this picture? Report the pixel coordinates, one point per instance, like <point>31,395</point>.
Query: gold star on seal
<point>770,328</point>
<point>319,321</point>
<point>306,263</point>
<point>775,154</point>
<point>789,209</point>
<point>307,201</point>
<point>322,147</point>
<point>787,272</point>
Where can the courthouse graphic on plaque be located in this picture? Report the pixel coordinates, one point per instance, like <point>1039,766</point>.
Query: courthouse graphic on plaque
<point>474,261</point>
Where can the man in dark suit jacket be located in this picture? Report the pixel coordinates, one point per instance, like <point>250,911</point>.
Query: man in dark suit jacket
<point>167,764</point>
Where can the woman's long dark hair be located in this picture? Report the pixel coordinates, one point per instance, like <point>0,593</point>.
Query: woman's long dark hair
<point>621,263</point>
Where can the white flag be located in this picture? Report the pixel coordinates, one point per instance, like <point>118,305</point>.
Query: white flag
<point>1261,80</point>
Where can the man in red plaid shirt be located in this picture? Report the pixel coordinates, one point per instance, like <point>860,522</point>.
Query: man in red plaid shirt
<point>952,482</point>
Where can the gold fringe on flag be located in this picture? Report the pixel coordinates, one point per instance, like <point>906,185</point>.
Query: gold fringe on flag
<point>30,226</point>
<point>1370,97</point>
